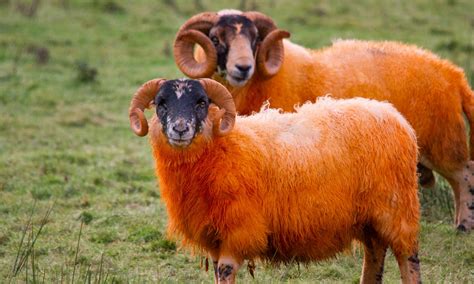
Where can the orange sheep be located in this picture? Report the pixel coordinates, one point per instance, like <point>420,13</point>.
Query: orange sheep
<point>281,187</point>
<point>430,92</point>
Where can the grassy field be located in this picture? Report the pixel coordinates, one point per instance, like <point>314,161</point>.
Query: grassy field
<point>78,198</point>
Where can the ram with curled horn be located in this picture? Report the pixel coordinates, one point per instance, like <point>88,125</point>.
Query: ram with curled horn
<point>223,177</point>
<point>249,55</point>
<point>186,120</point>
<point>235,45</point>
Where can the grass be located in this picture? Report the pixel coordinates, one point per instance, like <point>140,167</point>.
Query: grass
<point>65,142</point>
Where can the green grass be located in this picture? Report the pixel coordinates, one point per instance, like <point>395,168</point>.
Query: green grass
<point>65,140</point>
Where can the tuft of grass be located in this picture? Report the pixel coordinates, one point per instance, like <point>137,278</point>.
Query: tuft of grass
<point>85,72</point>
<point>144,234</point>
<point>26,250</point>
<point>105,236</point>
<point>77,252</point>
<point>41,193</point>
<point>4,238</point>
<point>113,7</point>
<point>86,217</point>
<point>437,203</point>
<point>163,244</point>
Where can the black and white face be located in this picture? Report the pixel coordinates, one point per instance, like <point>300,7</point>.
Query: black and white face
<point>235,38</point>
<point>181,106</point>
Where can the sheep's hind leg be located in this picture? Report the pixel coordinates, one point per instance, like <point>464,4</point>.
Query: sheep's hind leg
<point>409,268</point>
<point>462,183</point>
<point>465,220</point>
<point>374,256</point>
<point>426,176</point>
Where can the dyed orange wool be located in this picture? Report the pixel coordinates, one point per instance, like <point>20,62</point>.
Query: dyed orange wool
<point>430,92</point>
<point>295,186</point>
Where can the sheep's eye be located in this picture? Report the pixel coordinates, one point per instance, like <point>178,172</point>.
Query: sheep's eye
<point>215,40</point>
<point>201,104</point>
<point>163,106</point>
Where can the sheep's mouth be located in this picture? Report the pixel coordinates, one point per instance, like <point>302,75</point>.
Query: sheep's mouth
<point>181,143</point>
<point>237,81</point>
<point>239,78</point>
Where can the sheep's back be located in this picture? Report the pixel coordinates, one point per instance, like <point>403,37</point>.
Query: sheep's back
<point>334,165</point>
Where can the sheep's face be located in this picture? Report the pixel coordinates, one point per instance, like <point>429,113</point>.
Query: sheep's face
<point>181,106</point>
<point>235,38</point>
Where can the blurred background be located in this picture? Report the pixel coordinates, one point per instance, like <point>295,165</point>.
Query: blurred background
<point>78,196</point>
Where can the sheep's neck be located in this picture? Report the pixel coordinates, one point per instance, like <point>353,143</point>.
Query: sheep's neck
<point>184,186</point>
<point>175,158</point>
<point>247,96</point>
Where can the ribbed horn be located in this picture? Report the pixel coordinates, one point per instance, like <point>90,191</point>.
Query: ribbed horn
<point>140,101</point>
<point>223,99</point>
<point>271,52</point>
<point>196,31</point>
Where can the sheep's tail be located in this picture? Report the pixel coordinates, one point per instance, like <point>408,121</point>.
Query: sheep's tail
<point>467,98</point>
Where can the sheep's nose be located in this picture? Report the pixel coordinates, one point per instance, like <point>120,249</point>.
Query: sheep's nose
<point>181,127</point>
<point>244,69</point>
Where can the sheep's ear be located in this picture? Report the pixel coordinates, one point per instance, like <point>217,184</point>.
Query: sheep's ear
<point>151,105</point>
<point>214,113</point>
<point>270,54</point>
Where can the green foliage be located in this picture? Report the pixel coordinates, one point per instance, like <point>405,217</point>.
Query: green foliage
<point>85,73</point>
<point>144,234</point>
<point>41,193</point>
<point>86,217</point>
<point>112,7</point>
<point>4,238</point>
<point>437,203</point>
<point>163,244</point>
<point>104,236</point>
<point>67,73</point>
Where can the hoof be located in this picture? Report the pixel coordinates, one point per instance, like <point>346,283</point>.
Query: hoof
<point>461,228</point>
<point>464,227</point>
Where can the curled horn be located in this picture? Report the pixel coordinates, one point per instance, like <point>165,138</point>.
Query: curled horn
<point>270,54</point>
<point>196,30</point>
<point>223,99</point>
<point>141,100</point>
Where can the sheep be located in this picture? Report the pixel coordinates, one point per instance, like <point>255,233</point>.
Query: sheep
<point>246,53</point>
<point>283,187</point>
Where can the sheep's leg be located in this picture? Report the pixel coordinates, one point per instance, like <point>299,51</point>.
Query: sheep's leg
<point>444,149</point>
<point>214,258</point>
<point>374,256</point>
<point>227,268</point>
<point>426,176</point>
<point>216,277</point>
<point>409,268</point>
<point>462,183</point>
<point>456,191</point>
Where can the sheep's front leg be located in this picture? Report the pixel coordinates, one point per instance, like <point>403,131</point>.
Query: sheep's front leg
<point>409,268</point>
<point>227,268</point>
<point>214,258</point>
<point>216,277</point>
<point>374,256</point>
